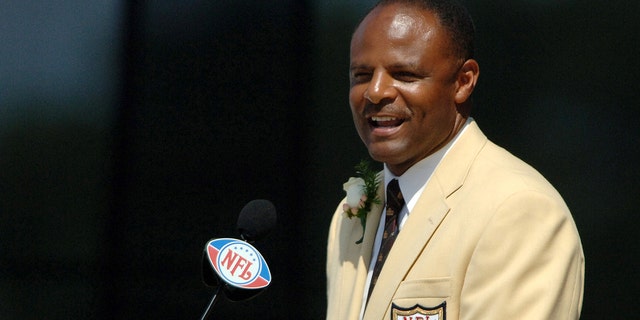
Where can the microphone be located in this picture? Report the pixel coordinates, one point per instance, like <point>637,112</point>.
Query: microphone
<point>235,266</point>
<point>256,220</point>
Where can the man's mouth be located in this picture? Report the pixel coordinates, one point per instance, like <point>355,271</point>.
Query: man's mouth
<point>385,122</point>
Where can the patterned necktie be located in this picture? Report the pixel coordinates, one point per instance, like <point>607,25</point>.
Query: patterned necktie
<point>395,202</point>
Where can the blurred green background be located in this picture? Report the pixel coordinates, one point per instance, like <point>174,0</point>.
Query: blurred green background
<point>133,132</point>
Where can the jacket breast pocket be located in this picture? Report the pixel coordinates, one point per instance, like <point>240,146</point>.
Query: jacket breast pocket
<point>429,292</point>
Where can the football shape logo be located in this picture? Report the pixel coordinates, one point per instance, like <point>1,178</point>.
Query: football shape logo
<point>238,263</point>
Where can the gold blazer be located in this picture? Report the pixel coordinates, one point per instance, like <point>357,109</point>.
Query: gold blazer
<point>489,238</point>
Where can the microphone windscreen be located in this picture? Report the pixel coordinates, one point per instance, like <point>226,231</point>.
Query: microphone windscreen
<point>256,219</point>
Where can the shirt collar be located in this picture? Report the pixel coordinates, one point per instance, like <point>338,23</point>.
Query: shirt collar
<point>415,178</point>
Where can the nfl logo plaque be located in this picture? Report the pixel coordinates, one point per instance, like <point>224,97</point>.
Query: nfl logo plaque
<point>418,312</point>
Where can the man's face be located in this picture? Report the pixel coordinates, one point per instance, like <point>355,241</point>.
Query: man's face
<point>403,86</point>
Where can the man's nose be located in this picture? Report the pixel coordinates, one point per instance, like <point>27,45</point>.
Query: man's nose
<point>380,88</point>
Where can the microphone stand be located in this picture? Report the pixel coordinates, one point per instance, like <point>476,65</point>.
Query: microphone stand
<point>207,312</point>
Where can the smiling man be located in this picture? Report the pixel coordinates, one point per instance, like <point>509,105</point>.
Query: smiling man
<point>467,230</point>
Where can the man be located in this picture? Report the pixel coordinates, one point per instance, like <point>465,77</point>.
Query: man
<point>479,233</point>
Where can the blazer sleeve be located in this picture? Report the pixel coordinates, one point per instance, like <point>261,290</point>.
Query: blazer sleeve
<point>528,263</point>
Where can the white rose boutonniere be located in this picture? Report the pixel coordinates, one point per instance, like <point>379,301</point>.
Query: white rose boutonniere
<point>361,194</point>
<point>355,196</point>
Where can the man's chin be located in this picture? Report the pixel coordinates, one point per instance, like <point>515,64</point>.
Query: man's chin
<point>383,153</point>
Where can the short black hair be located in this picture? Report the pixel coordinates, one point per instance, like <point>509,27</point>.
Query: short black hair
<point>453,16</point>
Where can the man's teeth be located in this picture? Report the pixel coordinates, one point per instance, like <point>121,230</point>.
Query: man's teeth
<point>379,119</point>
<point>385,121</point>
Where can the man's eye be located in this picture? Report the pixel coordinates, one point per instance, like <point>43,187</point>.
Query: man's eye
<point>406,76</point>
<point>361,77</point>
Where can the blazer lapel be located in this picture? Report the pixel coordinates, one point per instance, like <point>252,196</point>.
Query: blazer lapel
<point>430,210</point>
<point>355,276</point>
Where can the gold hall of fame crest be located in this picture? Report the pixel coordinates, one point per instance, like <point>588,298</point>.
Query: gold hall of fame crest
<point>418,312</point>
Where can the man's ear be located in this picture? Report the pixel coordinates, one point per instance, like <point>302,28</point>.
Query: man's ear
<point>466,81</point>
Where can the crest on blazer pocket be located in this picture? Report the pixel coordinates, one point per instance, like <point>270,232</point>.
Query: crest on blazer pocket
<point>419,312</point>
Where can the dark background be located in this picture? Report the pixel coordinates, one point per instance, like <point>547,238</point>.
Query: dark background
<point>131,133</point>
